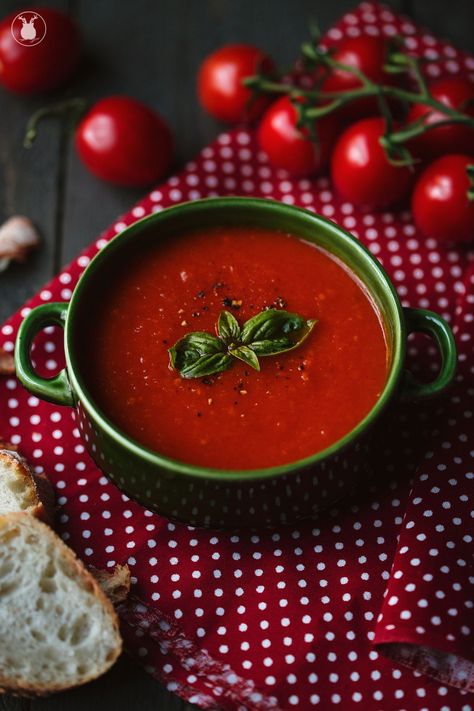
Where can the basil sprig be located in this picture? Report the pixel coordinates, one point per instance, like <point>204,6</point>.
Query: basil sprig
<point>270,332</point>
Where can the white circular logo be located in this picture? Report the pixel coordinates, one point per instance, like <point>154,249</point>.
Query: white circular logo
<point>28,28</point>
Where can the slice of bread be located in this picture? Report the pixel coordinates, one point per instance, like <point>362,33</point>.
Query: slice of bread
<point>57,627</point>
<point>21,489</point>
<point>7,363</point>
<point>115,583</point>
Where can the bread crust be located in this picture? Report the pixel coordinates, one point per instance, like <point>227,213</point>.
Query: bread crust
<point>39,487</point>
<point>8,445</point>
<point>24,520</point>
<point>7,363</point>
<point>115,583</point>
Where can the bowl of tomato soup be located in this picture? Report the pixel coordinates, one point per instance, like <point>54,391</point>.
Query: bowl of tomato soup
<point>228,358</point>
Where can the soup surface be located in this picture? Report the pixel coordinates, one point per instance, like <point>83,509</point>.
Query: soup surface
<point>299,403</point>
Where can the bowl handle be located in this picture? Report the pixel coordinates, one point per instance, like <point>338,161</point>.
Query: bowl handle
<point>432,324</point>
<point>56,389</point>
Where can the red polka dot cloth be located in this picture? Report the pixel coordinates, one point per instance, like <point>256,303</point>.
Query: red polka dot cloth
<point>370,606</point>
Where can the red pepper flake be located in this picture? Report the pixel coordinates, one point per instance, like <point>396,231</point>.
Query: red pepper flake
<point>278,303</point>
<point>241,388</point>
<point>233,303</point>
<point>217,285</point>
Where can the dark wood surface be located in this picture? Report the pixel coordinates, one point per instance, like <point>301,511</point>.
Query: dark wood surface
<point>149,49</point>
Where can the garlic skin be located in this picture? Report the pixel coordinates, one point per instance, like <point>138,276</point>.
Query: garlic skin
<point>18,236</point>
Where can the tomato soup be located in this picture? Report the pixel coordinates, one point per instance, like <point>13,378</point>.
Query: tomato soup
<point>299,403</point>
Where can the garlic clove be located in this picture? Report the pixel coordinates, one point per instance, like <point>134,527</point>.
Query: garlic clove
<point>18,236</point>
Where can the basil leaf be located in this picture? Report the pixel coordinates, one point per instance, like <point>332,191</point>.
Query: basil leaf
<point>199,354</point>
<point>267,347</point>
<point>228,328</point>
<point>207,365</point>
<point>284,329</point>
<point>247,355</point>
<point>189,349</point>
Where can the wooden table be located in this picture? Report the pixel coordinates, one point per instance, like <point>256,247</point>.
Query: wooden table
<point>150,50</point>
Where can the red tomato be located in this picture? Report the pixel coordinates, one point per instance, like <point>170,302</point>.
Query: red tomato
<point>361,171</point>
<point>44,66</point>
<point>368,54</point>
<point>123,141</point>
<point>289,147</point>
<point>454,92</point>
<point>220,89</point>
<point>440,204</point>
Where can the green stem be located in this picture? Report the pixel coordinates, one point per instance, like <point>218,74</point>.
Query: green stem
<point>412,97</point>
<point>392,141</point>
<point>413,130</point>
<point>334,64</point>
<point>320,111</point>
<point>73,108</point>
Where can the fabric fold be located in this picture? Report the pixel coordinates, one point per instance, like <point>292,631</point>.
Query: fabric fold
<point>273,620</point>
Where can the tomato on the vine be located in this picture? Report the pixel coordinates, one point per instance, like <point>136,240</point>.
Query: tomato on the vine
<point>290,147</point>
<point>440,204</point>
<point>368,55</point>
<point>361,171</point>
<point>220,88</point>
<point>43,66</point>
<point>455,93</point>
<point>123,141</point>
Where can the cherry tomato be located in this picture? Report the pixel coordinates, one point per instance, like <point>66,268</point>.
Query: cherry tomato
<point>360,170</point>
<point>123,141</point>
<point>220,89</point>
<point>290,147</point>
<point>367,54</point>
<point>456,93</point>
<point>43,66</point>
<point>441,208</point>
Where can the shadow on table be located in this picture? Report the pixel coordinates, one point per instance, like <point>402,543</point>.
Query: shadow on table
<point>125,687</point>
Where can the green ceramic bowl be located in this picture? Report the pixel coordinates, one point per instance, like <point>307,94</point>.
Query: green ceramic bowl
<point>203,496</point>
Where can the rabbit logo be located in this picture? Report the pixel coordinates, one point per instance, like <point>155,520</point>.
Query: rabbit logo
<point>28,28</point>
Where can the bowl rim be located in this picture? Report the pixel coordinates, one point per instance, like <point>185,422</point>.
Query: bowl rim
<point>101,420</point>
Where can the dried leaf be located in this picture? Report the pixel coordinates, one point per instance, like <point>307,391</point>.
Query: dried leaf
<point>18,236</point>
